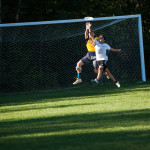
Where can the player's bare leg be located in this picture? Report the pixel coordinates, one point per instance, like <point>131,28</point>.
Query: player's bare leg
<point>79,70</point>
<point>79,65</point>
<point>100,70</point>
<point>112,77</point>
<point>106,74</point>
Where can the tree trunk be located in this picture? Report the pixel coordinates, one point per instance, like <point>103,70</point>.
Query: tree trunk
<point>0,12</point>
<point>18,12</point>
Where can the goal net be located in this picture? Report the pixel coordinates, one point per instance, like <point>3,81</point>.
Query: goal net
<point>43,55</point>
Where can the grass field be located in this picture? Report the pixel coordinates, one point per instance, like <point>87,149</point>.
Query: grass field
<point>82,118</point>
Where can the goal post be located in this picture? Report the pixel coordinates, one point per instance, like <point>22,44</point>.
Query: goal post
<point>43,55</point>
<point>141,48</point>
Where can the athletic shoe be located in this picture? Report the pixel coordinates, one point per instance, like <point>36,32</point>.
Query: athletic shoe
<point>118,84</point>
<point>78,80</point>
<point>95,81</point>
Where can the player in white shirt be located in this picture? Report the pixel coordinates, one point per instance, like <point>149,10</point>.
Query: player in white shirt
<point>100,49</point>
<point>90,57</point>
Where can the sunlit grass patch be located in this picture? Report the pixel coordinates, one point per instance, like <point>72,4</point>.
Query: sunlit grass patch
<point>85,118</point>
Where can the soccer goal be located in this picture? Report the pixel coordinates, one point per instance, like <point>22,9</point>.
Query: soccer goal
<point>43,55</point>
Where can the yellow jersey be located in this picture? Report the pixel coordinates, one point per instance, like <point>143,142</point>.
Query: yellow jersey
<point>90,45</point>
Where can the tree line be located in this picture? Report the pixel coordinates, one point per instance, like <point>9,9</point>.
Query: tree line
<point>37,10</point>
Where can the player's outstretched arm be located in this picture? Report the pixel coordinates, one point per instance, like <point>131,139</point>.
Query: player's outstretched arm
<point>89,25</point>
<point>92,36</point>
<point>87,31</point>
<point>115,50</point>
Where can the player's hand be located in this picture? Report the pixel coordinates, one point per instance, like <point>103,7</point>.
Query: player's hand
<point>119,50</point>
<point>87,25</point>
<point>90,24</point>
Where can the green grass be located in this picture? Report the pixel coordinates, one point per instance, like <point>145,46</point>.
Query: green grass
<point>82,118</point>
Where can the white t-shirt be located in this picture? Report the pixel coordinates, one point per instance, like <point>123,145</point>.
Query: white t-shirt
<point>100,50</point>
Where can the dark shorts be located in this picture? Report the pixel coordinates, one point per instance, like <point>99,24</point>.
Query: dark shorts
<point>102,63</point>
<point>90,59</point>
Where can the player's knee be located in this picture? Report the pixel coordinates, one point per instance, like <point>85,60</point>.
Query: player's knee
<point>78,67</point>
<point>101,67</point>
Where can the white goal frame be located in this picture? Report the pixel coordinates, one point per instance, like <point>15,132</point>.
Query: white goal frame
<point>95,19</point>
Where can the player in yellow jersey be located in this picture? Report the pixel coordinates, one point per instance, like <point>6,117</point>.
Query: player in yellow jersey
<point>89,58</point>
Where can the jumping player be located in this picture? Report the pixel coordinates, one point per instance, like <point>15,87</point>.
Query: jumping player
<point>101,57</point>
<point>89,57</point>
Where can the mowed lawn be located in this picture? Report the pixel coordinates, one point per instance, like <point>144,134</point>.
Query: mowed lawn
<point>83,118</point>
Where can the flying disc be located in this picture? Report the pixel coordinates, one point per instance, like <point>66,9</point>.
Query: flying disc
<point>88,18</point>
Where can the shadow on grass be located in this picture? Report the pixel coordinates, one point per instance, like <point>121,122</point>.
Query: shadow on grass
<point>41,107</point>
<point>124,130</point>
<point>61,94</point>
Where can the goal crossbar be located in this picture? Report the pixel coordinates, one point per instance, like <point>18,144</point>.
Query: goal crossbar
<point>69,21</point>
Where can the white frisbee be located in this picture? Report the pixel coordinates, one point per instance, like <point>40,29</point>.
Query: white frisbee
<point>88,18</point>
